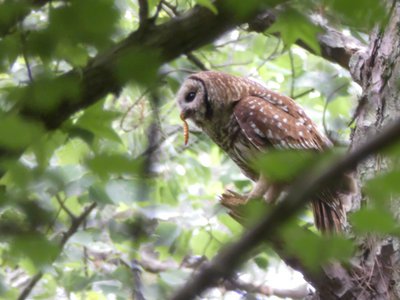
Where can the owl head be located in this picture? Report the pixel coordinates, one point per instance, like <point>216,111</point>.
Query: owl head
<point>193,99</point>
<point>206,95</point>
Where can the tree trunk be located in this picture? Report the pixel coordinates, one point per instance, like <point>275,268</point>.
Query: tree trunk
<point>378,73</point>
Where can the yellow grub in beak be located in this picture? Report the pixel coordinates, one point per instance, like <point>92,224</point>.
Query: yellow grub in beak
<point>185,129</point>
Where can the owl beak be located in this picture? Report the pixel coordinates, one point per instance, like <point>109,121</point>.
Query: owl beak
<point>186,114</point>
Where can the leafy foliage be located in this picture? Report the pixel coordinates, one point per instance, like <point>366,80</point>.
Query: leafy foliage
<point>156,199</point>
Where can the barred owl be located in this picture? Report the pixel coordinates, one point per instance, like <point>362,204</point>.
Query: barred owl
<point>244,118</point>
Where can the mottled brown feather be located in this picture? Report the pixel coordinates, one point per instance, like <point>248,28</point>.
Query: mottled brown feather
<point>244,118</point>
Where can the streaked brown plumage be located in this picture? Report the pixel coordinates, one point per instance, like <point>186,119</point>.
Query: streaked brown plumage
<point>244,118</point>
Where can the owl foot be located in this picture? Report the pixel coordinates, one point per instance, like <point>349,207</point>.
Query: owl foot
<point>231,199</point>
<point>233,202</point>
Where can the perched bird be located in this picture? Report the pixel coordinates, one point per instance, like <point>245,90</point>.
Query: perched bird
<point>245,119</point>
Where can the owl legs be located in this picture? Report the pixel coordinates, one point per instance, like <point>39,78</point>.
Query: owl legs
<point>265,189</point>
<point>262,189</point>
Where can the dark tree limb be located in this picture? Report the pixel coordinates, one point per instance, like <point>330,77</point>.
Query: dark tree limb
<point>327,283</point>
<point>143,13</point>
<point>180,35</point>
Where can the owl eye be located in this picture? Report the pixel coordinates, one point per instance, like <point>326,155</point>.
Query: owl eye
<point>190,96</point>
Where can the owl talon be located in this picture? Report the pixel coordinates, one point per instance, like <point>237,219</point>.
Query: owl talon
<point>231,199</point>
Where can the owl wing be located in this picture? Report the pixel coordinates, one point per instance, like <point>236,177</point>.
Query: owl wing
<point>273,119</point>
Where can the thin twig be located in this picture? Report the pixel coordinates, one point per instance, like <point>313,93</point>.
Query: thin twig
<point>302,94</point>
<point>158,9</point>
<point>143,12</point>
<point>299,292</point>
<point>328,100</point>
<point>233,255</point>
<point>232,64</point>
<point>61,202</point>
<point>171,7</point>
<point>137,280</point>
<point>235,41</point>
<point>75,224</point>
<point>140,98</point>
<point>85,254</point>
<point>25,56</point>
<point>271,56</point>
<point>196,61</point>
<point>292,82</point>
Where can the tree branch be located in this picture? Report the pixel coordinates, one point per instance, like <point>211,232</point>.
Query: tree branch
<point>230,257</point>
<point>335,46</point>
<point>143,12</point>
<point>75,224</point>
<point>137,280</point>
<point>299,292</point>
<point>196,61</point>
<point>152,265</point>
<point>182,34</point>
<point>196,28</point>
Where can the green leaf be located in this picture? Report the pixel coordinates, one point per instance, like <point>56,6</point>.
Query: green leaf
<point>73,281</point>
<point>285,165</point>
<point>9,10</point>
<point>85,237</point>
<point>174,278</point>
<point>99,121</point>
<point>208,243</point>
<point>167,233</point>
<point>362,15</point>
<point>315,250</point>
<point>39,250</point>
<point>17,133</point>
<point>9,51</point>
<point>94,21</point>
<point>72,152</point>
<point>140,66</point>
<point>76,55</point>
<point>241,9</point>
<point>45,147</point>
<point>294,26</point>
<point>207,4</point>
<point>46,94</point>
<point>322,81</point>
<point>231,224</point>
<point>262,261</point>
<point>383,187</point>
<point>124,191</point>
<point>374,220</point>
<point>105,164</point>
<point>98,194</point>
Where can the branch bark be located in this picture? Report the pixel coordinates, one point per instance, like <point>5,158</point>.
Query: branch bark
<point>326,281</point>
<point>377,71</point>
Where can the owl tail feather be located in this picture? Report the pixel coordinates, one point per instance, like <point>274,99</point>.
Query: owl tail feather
<point>329,214</point>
